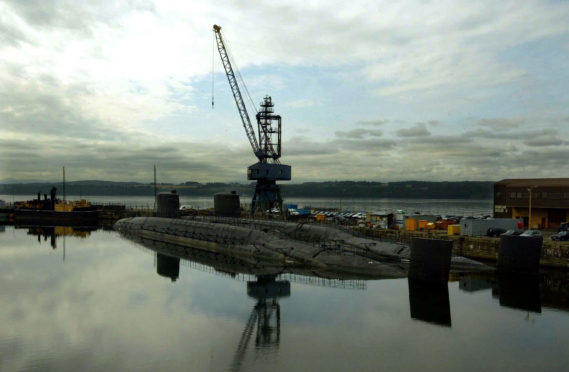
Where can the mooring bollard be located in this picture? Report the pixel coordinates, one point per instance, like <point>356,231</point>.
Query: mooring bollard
<point>430,259</point>
<point>519,253</point>
<point>168,205</point>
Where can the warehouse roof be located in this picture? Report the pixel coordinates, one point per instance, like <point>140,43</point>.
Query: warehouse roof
<point>530,182</point>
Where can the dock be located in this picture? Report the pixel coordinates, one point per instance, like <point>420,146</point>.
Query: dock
<point>554,254</point>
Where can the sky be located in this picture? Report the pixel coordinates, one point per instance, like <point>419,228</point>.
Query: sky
<point>368,90</point>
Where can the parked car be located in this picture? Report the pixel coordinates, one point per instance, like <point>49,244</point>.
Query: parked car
<point>563,227</point>
<point>532,233</point>
<point>562,235</point>
<point>512,232</point>
<point>495,231</point>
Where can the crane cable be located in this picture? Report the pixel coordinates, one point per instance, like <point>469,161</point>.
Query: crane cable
<point>234,63</point>
<point>212,69</point>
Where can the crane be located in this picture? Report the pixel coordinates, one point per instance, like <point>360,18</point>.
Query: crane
<point>266,143</point>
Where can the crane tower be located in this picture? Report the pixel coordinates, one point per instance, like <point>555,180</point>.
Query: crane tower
<point>266,143</point>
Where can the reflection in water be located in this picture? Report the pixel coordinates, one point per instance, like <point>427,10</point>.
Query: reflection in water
<point>54,232</point>
<point>167,266</point>
<point>518,291</point>
<point>109,307</point>
<point>471,283</point>
<point>429,302</point>
<point>512,290</point>
<point>266,315</point>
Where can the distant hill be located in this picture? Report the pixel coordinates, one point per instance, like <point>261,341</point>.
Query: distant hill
<point>329,189</point>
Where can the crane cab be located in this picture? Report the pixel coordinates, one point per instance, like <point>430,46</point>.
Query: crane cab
<point>268,171</point>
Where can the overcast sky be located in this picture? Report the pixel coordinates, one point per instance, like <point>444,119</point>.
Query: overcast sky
<point>378,90</point>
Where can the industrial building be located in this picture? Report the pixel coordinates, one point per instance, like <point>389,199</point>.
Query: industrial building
<point>546,200</point>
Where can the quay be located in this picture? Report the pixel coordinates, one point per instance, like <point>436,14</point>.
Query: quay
<point>554,254</point>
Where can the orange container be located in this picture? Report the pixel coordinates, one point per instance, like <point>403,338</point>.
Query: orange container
<point>423,224</point>
<point>410,224</point>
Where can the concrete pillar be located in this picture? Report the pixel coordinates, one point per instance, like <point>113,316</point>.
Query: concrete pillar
<point>430,259</point>
<point>168,205</point>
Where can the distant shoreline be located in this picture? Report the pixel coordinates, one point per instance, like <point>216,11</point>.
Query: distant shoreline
<point>329,189</point>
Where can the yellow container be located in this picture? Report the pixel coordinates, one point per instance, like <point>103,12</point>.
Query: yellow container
<point>61,207</point>
<point>320,217</point>
<point>453,229</point>
<point>430,226</point>
<point>410,224</point>
<point>423,224</point>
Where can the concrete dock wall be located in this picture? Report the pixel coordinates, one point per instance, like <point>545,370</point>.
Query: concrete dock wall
<point>553,254</point>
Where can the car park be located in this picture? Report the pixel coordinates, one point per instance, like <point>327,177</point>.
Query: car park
<point>562,235</point>
<point>532,233</point>
<point>512,232</point>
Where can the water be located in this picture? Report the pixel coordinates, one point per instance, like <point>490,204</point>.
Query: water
<point>96,303</point>
<point>457,207</point>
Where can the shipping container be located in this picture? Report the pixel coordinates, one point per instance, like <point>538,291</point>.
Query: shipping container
<point>454,229</point>
<point>410,224</point>
<point>479,227</point>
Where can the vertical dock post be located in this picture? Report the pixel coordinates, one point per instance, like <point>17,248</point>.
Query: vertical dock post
<point>430,259</point>
<point>519,253</point>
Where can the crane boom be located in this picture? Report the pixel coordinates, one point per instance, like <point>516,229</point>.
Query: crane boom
<point>236,92</point>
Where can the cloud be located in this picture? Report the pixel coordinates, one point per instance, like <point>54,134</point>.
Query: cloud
<point>372,122</point>
<point>502,123</point>
<point>302,103</point>
<point>109,160</point>
<point>512,134</point>
<point>110,89</point>
<point>359,133</point>
<point>539,142</point>
<point>418,130</point>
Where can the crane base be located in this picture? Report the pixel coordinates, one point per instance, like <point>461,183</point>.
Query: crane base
<point>267,196</point>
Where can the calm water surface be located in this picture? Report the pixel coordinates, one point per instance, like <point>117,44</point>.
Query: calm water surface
<point>460,207</point>
<point>93,301</point>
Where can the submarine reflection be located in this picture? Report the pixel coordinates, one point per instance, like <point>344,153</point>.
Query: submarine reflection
<point>429,302</point>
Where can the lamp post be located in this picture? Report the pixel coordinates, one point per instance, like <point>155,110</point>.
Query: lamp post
<point>529,218</point>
